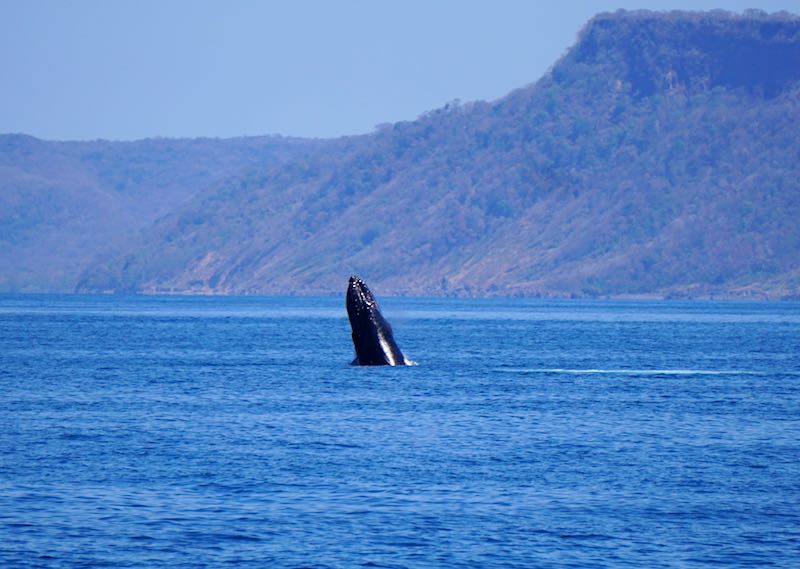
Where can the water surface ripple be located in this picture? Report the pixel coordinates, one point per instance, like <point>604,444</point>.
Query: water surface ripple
<point>202,432</point>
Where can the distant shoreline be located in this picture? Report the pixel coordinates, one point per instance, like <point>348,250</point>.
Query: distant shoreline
<point>491,296</point>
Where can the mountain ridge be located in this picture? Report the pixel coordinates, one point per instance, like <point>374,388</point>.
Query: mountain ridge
<point>640,165</point>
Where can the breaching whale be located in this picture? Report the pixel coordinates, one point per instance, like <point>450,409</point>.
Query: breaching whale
<point>372,334</point>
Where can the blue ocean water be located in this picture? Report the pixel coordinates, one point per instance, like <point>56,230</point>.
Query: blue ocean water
<point>205,432</point>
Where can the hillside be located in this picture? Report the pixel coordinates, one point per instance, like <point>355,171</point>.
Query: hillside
<point>65,204</point>
<point>658,157</point>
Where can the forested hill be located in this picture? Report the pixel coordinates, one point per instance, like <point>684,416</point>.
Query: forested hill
<point>63,204</point>
<point>660,157</point>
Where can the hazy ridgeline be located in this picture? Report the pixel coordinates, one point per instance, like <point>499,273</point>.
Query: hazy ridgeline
<point>659,156</point>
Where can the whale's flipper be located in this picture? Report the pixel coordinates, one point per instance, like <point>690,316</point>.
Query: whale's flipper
<point>372,335</point>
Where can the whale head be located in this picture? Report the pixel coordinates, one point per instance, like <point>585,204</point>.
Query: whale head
<point>360,300</point>
<point>373,339</point>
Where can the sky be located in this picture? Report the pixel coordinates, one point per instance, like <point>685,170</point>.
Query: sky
<point>130,69</point>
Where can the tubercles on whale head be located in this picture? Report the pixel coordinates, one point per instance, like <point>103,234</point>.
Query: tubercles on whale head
<point>359,295</point>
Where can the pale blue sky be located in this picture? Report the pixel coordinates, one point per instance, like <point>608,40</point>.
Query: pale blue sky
<point>127,69</point>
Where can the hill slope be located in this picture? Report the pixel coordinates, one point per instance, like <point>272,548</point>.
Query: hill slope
<point>659,156</point>
<point>64,204</point>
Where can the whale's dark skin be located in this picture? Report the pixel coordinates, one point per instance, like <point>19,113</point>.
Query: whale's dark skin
<point>372,335</point>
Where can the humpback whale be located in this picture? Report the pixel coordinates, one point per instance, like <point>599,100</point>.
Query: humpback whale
<point>372,334</point>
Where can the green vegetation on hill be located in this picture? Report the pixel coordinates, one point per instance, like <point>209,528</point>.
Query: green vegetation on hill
<point>63,205</point>
<point>658,157</point>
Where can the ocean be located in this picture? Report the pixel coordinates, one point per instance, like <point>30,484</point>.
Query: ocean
<point>231,431</point>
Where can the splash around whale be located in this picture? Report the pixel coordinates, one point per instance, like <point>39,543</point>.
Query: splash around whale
<point>373,338</point>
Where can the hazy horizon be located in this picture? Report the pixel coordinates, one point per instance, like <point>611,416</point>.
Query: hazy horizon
<point>130,70</point>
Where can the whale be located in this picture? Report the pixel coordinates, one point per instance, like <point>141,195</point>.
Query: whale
<point>373,338</point>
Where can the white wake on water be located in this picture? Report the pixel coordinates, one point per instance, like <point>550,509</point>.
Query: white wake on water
<point>631,371</point>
